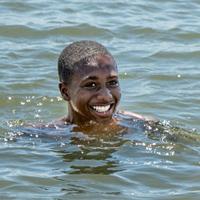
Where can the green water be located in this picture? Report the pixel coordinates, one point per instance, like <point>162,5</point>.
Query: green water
<point>156,45</point>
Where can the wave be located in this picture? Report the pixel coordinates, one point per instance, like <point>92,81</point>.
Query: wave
<point>22,31</point>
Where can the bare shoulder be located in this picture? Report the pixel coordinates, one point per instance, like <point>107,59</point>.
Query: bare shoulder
<point>138,116</point>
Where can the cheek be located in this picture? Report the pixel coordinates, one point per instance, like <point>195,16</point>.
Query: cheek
<point>117,94</point>
<point>79,100</point>
<point>77,104</point>
<point>74,106</point>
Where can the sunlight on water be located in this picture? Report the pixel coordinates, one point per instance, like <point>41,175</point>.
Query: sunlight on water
<point>156,45</point>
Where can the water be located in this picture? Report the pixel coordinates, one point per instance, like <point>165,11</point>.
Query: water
<point>156,45</point>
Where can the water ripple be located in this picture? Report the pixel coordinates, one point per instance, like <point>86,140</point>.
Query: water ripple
<point>156,45</point>
<point>22,31</point>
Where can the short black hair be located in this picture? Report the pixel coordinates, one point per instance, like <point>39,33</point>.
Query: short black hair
<point>77,54</point>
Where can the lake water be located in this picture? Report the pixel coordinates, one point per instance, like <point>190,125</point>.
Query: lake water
<point>157,48</point>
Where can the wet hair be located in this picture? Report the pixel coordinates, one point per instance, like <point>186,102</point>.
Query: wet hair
<point>76,55</point>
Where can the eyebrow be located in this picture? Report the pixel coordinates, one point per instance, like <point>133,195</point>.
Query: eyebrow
<point>95,77</point>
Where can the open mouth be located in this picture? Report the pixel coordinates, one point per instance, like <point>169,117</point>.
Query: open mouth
<point>103,109</point>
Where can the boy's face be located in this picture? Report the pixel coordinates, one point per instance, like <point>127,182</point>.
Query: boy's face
<point>94,92</point>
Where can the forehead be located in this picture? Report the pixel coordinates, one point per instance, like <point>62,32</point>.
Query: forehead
<point>103,64</point>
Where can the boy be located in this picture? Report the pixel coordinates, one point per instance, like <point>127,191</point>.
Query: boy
<point>89,83</point>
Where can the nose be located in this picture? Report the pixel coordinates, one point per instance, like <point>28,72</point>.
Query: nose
<point>104,95</point>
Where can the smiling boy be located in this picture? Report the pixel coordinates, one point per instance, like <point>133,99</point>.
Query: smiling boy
<point>89,83</point>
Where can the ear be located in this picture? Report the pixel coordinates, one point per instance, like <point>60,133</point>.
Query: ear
<point>64,91</point>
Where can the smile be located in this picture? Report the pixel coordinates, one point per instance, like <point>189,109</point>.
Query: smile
<point>101,109</point>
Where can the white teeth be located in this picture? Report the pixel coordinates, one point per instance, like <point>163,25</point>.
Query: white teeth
<point>101,108</point>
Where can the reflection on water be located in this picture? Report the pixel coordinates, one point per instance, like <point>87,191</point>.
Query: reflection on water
<point>156,45</point>
<point>143,160</point>
<point>94,152</point>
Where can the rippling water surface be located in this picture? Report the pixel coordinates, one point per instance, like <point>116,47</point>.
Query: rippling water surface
<point>156,45</point>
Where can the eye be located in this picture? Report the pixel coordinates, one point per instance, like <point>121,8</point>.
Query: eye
<point>113,83</point>
<point>90,85</point>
